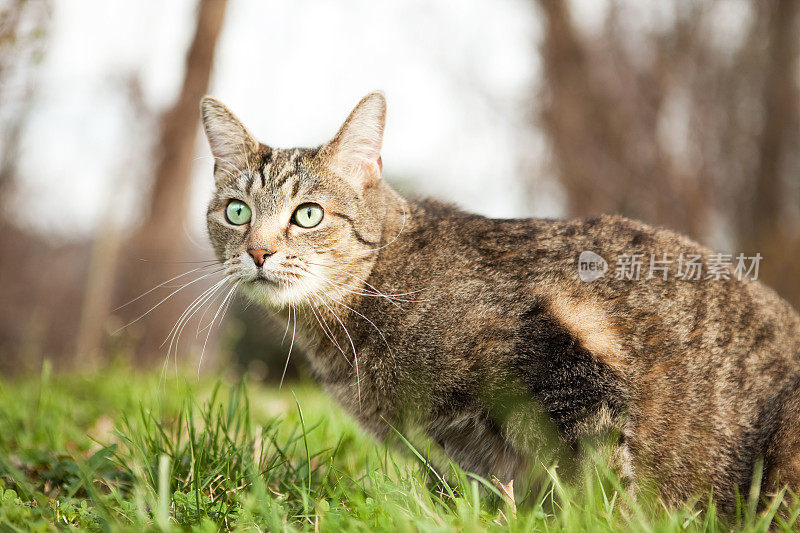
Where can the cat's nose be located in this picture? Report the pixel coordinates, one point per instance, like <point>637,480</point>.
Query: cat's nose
<point>259,256</point>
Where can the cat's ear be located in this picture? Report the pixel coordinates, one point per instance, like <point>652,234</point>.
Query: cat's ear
<point>355,152</point>
<point>229,140</point>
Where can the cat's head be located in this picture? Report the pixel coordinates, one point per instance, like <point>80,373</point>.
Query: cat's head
<point>294,225</point>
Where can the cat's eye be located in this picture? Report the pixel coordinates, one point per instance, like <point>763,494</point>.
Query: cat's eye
<point>238,213</point>
<point>308,215</point>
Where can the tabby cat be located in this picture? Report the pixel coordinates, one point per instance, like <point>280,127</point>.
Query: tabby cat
<point>483,336</point>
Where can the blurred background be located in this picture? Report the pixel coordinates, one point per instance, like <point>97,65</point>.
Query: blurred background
<point>682,113</point>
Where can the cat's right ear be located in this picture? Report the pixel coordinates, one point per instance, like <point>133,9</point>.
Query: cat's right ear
<point>229,140</point>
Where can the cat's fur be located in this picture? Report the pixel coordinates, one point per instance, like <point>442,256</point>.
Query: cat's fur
<point>480,333</point>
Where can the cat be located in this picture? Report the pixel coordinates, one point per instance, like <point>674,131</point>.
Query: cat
<point>487,337</point>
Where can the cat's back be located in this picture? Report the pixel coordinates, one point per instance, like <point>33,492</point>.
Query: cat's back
<point>649,281</point>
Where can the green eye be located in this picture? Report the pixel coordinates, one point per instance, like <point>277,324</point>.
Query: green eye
<point>308,215</point>
<point>238,213</point>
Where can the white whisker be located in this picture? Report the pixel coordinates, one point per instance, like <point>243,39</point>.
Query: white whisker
<point>161,285</point>
<point>200,320</point>
<point>288,319</point>
<point>227,299</point>
<point>173,293</point>
<point>177,329</point>
<point>292,311</point>
<point>365,318</point>
<point>402,227</point>
<point>199,300</point>
<point>352,345</point>
<point>354,290</point>
<point>176,339</point>
<point>349,289</point>
<point>370,287</point>
<point>328,332</point>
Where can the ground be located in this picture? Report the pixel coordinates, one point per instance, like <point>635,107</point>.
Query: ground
<point>121,450</point>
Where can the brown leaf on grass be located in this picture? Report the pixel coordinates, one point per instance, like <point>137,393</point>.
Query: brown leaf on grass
<point>507,490</point>
<point>258,448</point>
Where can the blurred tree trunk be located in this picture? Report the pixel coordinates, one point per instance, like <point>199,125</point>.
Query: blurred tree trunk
<point>9,154</point>
<point>24,25</point>
<point>601,113</point>
<point>763,227</point>
<point>105,253</point>
<point>96,305</point>
<point>28,323</point>
<point>161,239</point>
<point>680,124</point>
<point>572,112</point>
<point>163,224</point>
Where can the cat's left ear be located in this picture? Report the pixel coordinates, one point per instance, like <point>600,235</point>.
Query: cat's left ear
<point>355,152</point>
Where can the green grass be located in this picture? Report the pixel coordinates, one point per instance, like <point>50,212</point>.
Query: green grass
<point>123,451</point>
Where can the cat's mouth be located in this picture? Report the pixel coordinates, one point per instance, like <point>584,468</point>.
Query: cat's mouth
<point>263,279</point>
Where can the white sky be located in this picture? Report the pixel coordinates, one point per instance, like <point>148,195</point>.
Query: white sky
<point>458,78</point>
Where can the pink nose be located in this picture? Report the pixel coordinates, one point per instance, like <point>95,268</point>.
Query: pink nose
<point>259,256</point>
